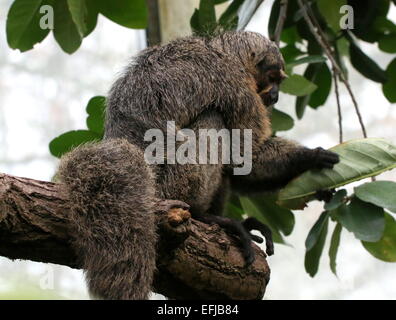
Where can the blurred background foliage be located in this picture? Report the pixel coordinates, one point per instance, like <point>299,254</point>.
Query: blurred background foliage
<point>312,76</point>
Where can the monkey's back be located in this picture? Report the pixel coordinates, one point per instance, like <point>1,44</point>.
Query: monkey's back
<point>173,82</point>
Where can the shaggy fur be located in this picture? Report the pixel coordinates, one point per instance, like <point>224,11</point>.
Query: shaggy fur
<point>200,84</point>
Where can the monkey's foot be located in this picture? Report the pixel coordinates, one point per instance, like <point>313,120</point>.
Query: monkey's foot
<point>177,216</point>
<point>235,228</point>
<point>164,206</point>
<point>253,224</point>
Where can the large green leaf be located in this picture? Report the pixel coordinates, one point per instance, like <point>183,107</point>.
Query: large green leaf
<point>320,75</point>
<point>387,43</point>
<point>207,15</point>
<point>308,59</point>
<point>312,257</point>
<point>314,234</point>
<point>297,85</point>
<point>84,14</point>
<point>330,10</point>
<point>336,201</point>
<point>359,159</point>
<point>66,32</point>
<point>334,244</point>
<point>278,218</point>
<point>69,140</point>
<point>389,87</point>
<point>230,15</point>
<point>233,208</point>
<point>128,13</point>
<point>365,65</point>
<point>96,114</point>
<point>281,121</point>
<point>23,24</point>
<point>385,248</point>
<point>380,193</point>
<point>251,209</point>
<point>364,219</point>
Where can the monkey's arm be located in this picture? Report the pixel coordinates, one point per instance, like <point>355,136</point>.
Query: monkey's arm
<point>277,161</point>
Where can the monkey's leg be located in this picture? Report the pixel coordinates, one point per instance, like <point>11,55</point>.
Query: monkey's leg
<point>277,161</point>
<point>113,226</point>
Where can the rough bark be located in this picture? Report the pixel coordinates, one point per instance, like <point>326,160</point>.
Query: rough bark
<point>196,261</point>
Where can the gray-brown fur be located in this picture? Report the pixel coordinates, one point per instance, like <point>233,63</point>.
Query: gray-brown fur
<point>198,83</point>
<point>112,193</point>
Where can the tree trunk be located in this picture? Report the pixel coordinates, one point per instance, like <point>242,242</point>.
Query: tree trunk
<point>195,260</point>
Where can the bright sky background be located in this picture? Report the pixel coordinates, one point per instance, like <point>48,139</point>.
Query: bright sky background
<point>43,93</point>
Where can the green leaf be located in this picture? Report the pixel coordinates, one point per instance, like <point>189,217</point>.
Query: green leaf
<point>385,248</point>
<point>320,75</point>
<point>323,80</point>
<point>366,12</point>
<point>312,257</point>
<point>78,10</point>
<point>69,140</point>
<point>281,121</point>
<point>290,53</point>
<point>278,218</point>
<point>365,65</point>
<point>65,32</point>
<point>380,193</point>
<point>23,24</point>
<point>384,25</point>
<point>233,208</point>
<point>96,114</point>
<point>359,159</point>
<point>290,35</point>
<point>387,43</point>
<point>314,234</point>
<point>252,210</point>
<point>389,87</point>
<point>207,15</point>
<point>334,244</point>
<point>297,85</point>
<point>231,13</point>
<point>336,201</point>
<point>330,10</point>
<point>312,59</point>
<point>194,22</point>
<point>84,14</point>
<point>128,13</point>
<point>364,219</point>
<point>308,59</point>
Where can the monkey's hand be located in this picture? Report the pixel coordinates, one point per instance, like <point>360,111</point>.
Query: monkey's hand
<point>253,224</point>
<point>322,158</point>
<point>164,206</point>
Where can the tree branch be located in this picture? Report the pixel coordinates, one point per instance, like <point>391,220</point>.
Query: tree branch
<point>195,261</point>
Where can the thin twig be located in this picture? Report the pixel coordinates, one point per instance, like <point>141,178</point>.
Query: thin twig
<point>323,42</point>
<point>338,105</point>
<point>281,21</point>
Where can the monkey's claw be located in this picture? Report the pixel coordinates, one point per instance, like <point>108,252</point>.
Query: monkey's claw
<point>325,159</point>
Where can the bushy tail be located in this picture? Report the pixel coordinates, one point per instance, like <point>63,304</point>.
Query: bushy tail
<point>112,197</point>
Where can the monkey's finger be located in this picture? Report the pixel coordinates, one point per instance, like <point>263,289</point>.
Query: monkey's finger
<point>252,223</point>
<point>256,238</point>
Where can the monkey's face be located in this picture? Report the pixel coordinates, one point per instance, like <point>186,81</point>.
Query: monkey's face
<point>268,79</point>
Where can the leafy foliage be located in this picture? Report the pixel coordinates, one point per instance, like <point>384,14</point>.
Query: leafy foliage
<point>73,20</point>
<point>365,212</point>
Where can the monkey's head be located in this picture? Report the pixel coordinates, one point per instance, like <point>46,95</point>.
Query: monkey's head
<point>260,57</point>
